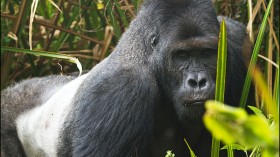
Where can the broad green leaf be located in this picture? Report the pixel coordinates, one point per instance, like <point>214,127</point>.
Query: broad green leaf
<point>270,152</point>
<point>223,120</point>
<point>221,111</point>
<point>258,112</point>
<point>219,130</point>
<point>256,132</point>
<point>233,125</point>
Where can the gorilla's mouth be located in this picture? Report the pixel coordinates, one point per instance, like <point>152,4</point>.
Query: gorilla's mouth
<point>195,103</point>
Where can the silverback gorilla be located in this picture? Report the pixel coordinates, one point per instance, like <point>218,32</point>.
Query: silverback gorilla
<point>141,101</point>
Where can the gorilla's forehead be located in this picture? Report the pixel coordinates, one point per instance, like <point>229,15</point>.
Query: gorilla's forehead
<point>184,17</point>
<point>199,42</point>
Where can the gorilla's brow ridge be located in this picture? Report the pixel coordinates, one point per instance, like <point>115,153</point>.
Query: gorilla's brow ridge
<point>194,43</point>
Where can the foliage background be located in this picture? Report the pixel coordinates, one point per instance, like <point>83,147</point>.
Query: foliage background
<point>90,29</point>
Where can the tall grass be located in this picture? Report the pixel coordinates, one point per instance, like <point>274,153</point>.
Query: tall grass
<point>259,132</point>
<point>86,29</point>
<point>220,78</point>
<point>89,30</point>
<point>254,57</point>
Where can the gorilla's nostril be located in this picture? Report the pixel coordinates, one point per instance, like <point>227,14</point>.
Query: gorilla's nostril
<point>202,83</point>
<point>192,83</point>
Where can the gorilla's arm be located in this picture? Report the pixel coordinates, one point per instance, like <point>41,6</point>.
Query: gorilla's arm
<point>20,98</point>
<point>117,109</point>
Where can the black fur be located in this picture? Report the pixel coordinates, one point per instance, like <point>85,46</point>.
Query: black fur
<point>148,95</point>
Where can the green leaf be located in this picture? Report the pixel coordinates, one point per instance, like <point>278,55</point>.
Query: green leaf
<point>169,154</point>
<point>191,151</point>
<point>220,78</point>
<point>254,57</point>
<point>266,94</point>
<point>233,125</point>
<point>45,54</point>
<point>235,147</point>
<point>230,150</point>
<point>258,112</point>
<point>276,84</point>
<point>224,112</point>
<point>256,132</point>
<point>222,121</point>
<point>219,130</point>
<point>221,64</point>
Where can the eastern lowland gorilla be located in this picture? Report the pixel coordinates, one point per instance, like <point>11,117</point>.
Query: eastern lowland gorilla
<point>142,100</point>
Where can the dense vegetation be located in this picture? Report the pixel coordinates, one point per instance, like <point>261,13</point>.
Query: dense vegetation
<point>89,30</point>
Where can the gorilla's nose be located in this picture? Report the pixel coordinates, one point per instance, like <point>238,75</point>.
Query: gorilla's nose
<point>197,80</point>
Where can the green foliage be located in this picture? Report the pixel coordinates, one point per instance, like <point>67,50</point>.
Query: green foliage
<point>45,54</point>
<point>253,61</point>
<point>220,78</point>
<point>224,119</point>
<point>221,63</point>
<point>191,151</point>
<point>81,30</point>
<point>169,154</point>
<point>235,126</point>
<point>235,147</point>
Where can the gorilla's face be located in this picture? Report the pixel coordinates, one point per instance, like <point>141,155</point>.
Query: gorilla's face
<point>192,77</point>
<point>188,56</point>
<point>190,71</point>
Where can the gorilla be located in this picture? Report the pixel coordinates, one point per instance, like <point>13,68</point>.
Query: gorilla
<point>142,100</point>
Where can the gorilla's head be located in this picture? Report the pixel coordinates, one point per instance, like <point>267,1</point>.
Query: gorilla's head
<point>176,41</point>
<point>184,52</point>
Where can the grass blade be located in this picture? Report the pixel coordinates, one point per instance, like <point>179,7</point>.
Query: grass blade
<point>220,79</point>
<point>45,54</point>
<point>191,151</point>
<point>254,57</point>
<point>266,95</point>
<point>230,151</point>
<point>221,64</point>
<point>276,85</point>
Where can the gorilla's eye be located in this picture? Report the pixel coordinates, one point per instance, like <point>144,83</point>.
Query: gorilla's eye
<point>153,40</point>
<point>208,52</point>
<point>205,53</point>
<point>182,54</point>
